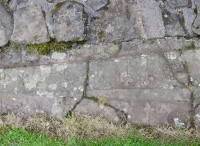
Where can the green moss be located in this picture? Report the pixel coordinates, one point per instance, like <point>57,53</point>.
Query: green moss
<point>53,11</point>
<point>191,47</point>
<point>195,11</point>
<point>53,45</point>
<point>3,1</point>
<point>46,48</point>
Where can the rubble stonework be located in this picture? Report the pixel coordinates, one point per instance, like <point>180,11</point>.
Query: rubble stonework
<point>128,61</point>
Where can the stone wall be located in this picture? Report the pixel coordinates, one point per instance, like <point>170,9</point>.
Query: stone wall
<point>135,61</point>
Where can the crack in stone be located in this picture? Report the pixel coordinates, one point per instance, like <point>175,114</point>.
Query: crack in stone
<point>189,86</point>
<point>69,113</point>
<point>120,113</point>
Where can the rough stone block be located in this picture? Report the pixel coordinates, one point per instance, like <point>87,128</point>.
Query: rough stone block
<point>69,24</point>
<point>29,26</point>
<point>152,17</point>
<point>6,26</point>
<point>119,22</point>
<point>96,4</point>
<point>196,24</point>
<point>179,3</point>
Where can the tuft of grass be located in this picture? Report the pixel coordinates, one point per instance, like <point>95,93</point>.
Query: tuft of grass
<point>19,137</point>
<point>87,130</point>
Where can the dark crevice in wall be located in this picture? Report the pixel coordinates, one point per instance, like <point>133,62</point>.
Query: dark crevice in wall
<point>84,89</point>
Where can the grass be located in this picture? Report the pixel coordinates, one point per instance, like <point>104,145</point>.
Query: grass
<point>83,130</point>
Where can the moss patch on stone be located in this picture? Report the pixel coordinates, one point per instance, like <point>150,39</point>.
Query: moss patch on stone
<point>53,45</point>
<point>53,11</point>
<point>191,47</point>
<point>46,48</point>
<point>195,11</point>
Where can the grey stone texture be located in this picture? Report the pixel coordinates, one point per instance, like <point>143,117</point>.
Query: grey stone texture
<point>29,24</point>
<point>119,22</point>
<point>69,23</point>
<point>96,4</point>
<point>196,24</point>
<point>130,61</point>
<point>6,25</point>
<point>174,24</point>
<point>179,3</point>
<point>152,17</point>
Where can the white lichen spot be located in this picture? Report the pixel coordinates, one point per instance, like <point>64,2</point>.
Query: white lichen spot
<point>61,67</point>
<point>129,116</point>
<point>21,71</point>
<point>198,116</point>
<point>53,86</point>
<point>165,15</point>
<point>92,76</point>
<point>13,98</point>
<point>101,106</point>
<point>45,70</point>
<point>125,110</point>
<point>75,99</point>
<point>75,89</point>
<point>80,88</point>
<point>1,70</point>
<point>143,56</point>
<point>58,56</point>
<point>172,55</point>
<point>178,123</point>
<point>65,84</point>
<point>124,74</point>
<point>116,60</point>
<point>109,28</point>
<point>31,84</point>
<point>191,79</point>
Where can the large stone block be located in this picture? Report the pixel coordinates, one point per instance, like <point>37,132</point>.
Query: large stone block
<point>152,18</point>
<point>69,24</point>
<point>6,25</point>
<point>196,24</point>
<point>29,26</point>
<point>119,22</point>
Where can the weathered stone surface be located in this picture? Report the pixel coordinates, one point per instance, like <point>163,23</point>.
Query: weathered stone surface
<point>56,80</point>
<point>179,3</point>
<point>152,112</point>
<point>138,47</point>
<point>29,24</point>
<point>136,86</point>
<point>96,4</point>
<point>192,59</point>
<point>119,22</point>
<point>95,109</point>
<point>6,25</point>
<point>69,24</point>
<point>152,17</point>
<point>174,24</point>
<point>58,86</point>
<point>196,24</point>
<point>26,104</point>
<point>14,56</point>
<point>189,17</point>
<point>146,71</point>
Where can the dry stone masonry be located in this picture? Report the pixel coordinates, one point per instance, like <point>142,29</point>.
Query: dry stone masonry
<point>135,61</point>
